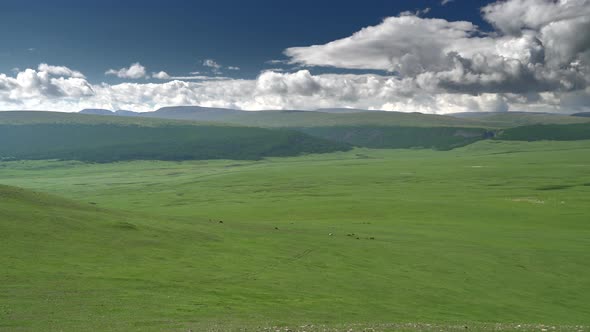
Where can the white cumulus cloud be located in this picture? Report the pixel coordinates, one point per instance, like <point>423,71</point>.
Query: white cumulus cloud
<point>36,88</point>
<point>217,67</point>
<point>539,46</point>
<point>537,58</point>
<point>211,64</point>
<point>162,75</point>
<point>59,71</point>
<point>31,89</point>
<point>135,71</point>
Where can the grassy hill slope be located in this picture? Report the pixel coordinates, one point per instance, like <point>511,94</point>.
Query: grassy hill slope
<point>102,139</point>
<point>363,129</point>
<point>391,137</point>
<point>69,265</point>
<point>375,129</point>
<point>389,129</point>
<point>514,119</point>
<point>41,117</point>
<point>309,118</point>
<point>553,132</point>
<point>360,118</point>
<point>582,114</point>
<point>42,135</point>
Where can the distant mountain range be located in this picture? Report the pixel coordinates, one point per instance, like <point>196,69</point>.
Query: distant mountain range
<point>213,113</point>
<point>206,112</point>
<point>100,111</point>
<point>471,115</point>
<point>344,110</point>
<point>346,116</point>
<point>193,132</point>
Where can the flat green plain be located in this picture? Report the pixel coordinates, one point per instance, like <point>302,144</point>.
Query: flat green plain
<point>493,235</point>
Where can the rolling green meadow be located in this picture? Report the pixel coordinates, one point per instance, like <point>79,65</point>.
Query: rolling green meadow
<point>489,236</point>
<point>294,166</point>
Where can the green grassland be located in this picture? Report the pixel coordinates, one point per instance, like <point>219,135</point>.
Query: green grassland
<point>365,118</point>
<point>414,130</point>
<point>96,138</point>
<point>391,137</point>
<point>513,119</point>
<point>108,138</point>
<point>555,132</point>
<point>317,119</point>
<point>42,117</point>
<point>493,235</point>
<point>374,129</point>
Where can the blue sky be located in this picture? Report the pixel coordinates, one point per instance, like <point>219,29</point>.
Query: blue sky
<point>429,56</point>
<point>178,35</point>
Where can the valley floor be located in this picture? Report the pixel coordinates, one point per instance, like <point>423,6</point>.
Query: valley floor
<point>492,236</point>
